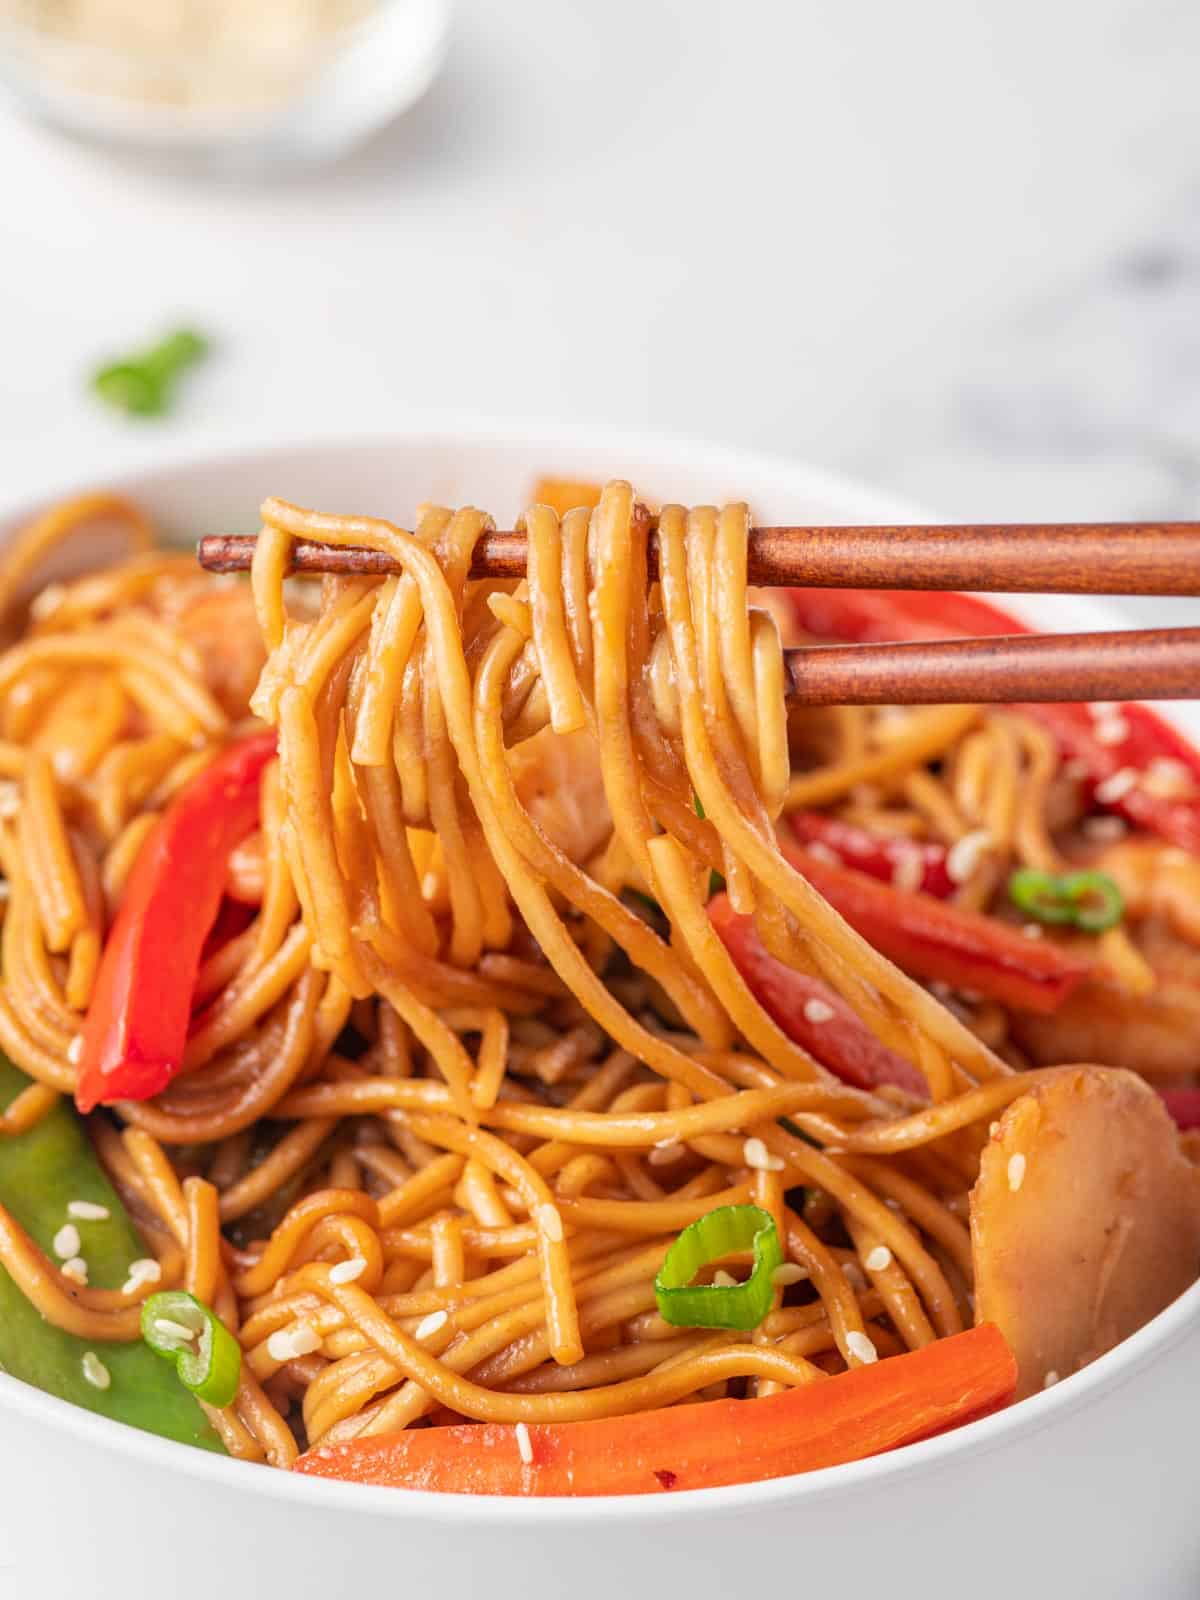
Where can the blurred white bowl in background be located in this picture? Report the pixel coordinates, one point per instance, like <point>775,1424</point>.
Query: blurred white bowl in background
<point>240,85</point>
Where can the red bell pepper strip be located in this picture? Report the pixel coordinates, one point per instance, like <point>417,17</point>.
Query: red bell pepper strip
<point>843,1042</point>
<point>874,616</point>
<point>932,940</point>
<point>141,1006</point>
<point>859,1413</point>
<point>869,615</point>
<point>1184,1106</point>
<point>878,855</point>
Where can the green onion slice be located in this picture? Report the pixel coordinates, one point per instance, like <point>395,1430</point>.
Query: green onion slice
<point>1096,900</point>
<point>725,1231</point>
<point>1088,900</point>
<point>207,1357</point>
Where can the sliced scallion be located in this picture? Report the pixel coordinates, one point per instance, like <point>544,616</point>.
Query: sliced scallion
<point>207,1357</point>
<point>1087,900</point>
<point>729,1230</point>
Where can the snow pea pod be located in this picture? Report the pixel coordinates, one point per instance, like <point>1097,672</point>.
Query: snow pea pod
<point>41,1172</point>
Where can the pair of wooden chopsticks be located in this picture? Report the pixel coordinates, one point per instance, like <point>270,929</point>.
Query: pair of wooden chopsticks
<point>1160,558</point>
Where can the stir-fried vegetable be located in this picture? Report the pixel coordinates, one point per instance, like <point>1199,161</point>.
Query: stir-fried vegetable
<point>1088,900</point>
<point>144,384</point>
<point>205,1354</point>
<point>42,1172</point>
<point>809,1011</point>
<point>859,1413</point>
<point>908,863</point>
<point>726,1231</point>
<point>1129,757</point>
<point>933,940</point>
<point>138,1018</point>
<point>1085,1219</point>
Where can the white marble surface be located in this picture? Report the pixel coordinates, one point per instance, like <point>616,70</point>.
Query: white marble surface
<point>950,247</point>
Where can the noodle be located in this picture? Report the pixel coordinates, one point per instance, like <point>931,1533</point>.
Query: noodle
<point>471,1033</point>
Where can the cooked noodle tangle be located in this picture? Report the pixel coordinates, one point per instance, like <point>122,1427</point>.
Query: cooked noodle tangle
<point>449,1045</point>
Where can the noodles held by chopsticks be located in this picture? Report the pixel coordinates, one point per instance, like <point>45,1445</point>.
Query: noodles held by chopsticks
<point>449,1093</point>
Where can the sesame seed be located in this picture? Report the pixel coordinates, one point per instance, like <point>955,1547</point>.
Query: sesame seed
<point>965,855</point>
<point>524,1444</point>
<point>75,1269</point>
<point>723,1280</point>
<point>908,871</point>
<point>144,1270</point>
<point>1016,1171</point>
<point>1113,730</point>
<point>94,1370</point>
<point>787,1273</point>
<point>879,1260</point>
<point>756,1155</point>
<point>1118,786</point>
<point>10,800</point>
<point>46,601</point>
<point>861,1347</point>
<point>821,852</point>
<point>75,1049</point>
<point>1033,930</point>
<point>433,1323</point>
<point>993,1129</point>
<point>664,1152</point>
<point>67,1242</point>
<point>1050,1379</point>
<point>1168,779</point>
<point>88,1211</point>
<point>298,1340</point>
<point>170,1329</point>
<point>818,1011</point>
<point>1100,709</point>
<point>1076,770</point>
<point>347,1271</point>
<point>550,1222</point>
<point>1104,828</point>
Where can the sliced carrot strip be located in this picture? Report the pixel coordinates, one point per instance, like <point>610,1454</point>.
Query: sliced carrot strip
<point>859,1413</point>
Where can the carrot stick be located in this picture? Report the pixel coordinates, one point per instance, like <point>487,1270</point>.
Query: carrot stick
<point>859,1413</point>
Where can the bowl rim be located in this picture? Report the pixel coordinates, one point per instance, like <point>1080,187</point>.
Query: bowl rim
<point>146,468</point>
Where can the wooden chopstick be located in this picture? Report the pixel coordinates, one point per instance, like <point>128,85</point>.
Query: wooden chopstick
<point>1140,664</point>
<point>1032,558</point>
<point>1066,558</point>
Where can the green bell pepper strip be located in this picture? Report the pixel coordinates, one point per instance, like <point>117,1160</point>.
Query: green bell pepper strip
<point>205,1354</point>
<point>1088,900</point>
<point>723,1232</point>
<point>41,1172</point>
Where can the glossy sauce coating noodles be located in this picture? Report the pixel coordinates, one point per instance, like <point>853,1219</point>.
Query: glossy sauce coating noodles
<point>474,1044</point>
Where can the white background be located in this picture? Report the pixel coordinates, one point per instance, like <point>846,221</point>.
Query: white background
<point>951,246</point>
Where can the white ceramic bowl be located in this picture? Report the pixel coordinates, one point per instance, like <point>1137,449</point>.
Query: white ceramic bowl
<point>1087,1489</point>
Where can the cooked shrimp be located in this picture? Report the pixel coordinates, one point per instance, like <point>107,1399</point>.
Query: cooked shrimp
<point>1157,880</point>
<point>1157,1034</point>
<point>222,626</point>
<point>557,777</point>
<point>1085,1220</point>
